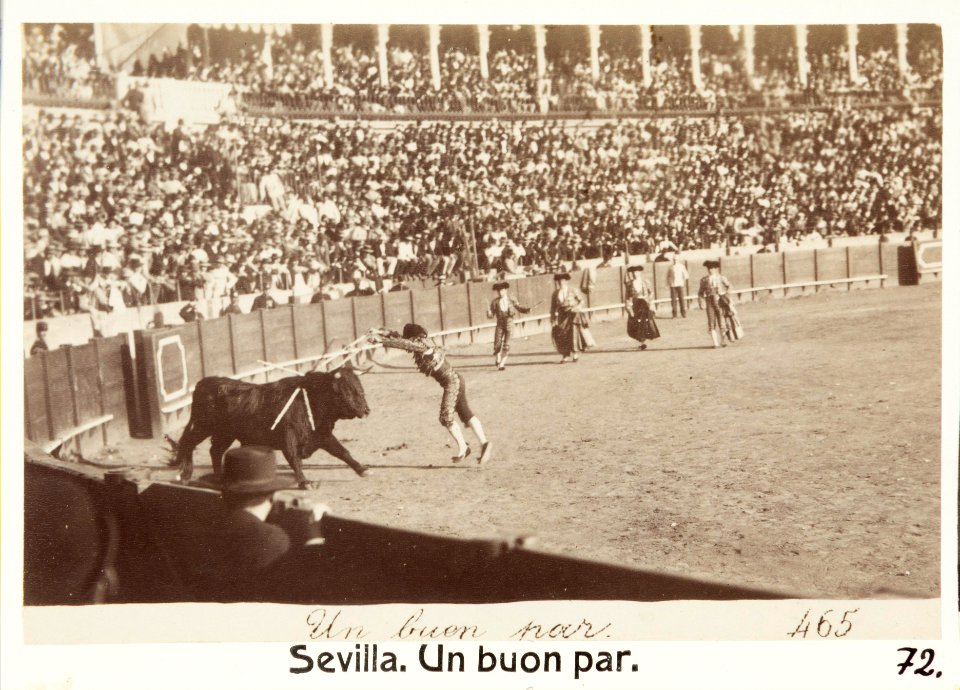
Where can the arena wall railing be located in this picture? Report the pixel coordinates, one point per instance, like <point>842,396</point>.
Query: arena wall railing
<point>144,382</point>
<point>138,535</point>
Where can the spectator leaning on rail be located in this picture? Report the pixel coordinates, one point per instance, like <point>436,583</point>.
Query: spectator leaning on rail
<point>226,556</point>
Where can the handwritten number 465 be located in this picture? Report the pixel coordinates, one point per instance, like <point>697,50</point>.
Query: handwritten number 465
<point>824,627</point>
<point>925,655</point>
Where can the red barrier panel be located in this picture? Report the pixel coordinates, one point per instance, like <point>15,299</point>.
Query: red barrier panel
<point>368,313</point>
<point>109,353</point>
<point>338,323</point>
<point>533,290</point>
<point>426,309</point>
<point>397,309</point>
<point>737,270</point>
<point>800,267</point>
<point>87,397</point>
<point>768,270</point>
<point>609,287</point>
<point>832,264</point>
<point>278,341</point>
<point>216,349</point>
<point>863,261</point>
<point>655,272</point>
<point>59,392</point>
<point>308,332</point>
<point>35,400</point>
<point>890,262</point>
<point>454,306</point>
<point>247,338</point>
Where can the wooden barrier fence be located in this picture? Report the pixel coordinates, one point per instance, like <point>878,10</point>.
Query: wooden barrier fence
<point>71,392</point>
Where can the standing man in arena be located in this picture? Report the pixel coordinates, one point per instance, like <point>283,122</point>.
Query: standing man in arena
<point>713,286</point>
<point>504,308</point>
<point>570,328</point>
<point>677,277</point>
<point>431,361</point>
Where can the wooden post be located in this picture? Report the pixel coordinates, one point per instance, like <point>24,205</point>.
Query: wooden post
<point>816,270</point>
<point>880,262</point>
<point>46,394</point>
<point>233,344</point>
<point>74,403</point>
<point>103,407</point>
<point>469,285</point>
<point>753,282</point>
<point>849,284</point>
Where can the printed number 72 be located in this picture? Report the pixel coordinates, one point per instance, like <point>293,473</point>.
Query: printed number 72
<point>926,654</point>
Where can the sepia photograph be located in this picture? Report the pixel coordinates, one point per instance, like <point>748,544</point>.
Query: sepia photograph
<point>336,314</point>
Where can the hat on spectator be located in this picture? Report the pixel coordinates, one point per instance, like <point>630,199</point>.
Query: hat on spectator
<point>249,470</point>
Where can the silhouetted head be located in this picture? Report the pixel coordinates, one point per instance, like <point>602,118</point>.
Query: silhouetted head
<point>414,330</point>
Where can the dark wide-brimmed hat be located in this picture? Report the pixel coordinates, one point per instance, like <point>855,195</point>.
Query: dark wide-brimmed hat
<point>709,263</point>
<point>251,470</point>
<point>414,330</point>
<point>503,285</point>
<point>634,269</point>
<point>561,276</point>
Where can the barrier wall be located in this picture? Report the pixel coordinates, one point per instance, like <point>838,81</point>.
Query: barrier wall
<point>63,394</point>
<point>141,539</point>
<point>75,397</point>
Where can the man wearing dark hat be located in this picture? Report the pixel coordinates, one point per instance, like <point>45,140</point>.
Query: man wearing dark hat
<point>237,545</point>
<point>431,361</point>
<point>570,329</point>
<point>642,323</point>
<point>189,313</point>
<point>503,308</point>
<point>713,286</point>
<point>40,344</point>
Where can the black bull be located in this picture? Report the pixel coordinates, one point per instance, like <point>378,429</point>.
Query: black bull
<point>230,410</point>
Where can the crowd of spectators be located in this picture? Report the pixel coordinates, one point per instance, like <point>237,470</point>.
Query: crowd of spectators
<point>121,213</point>
<point>284,72</point>
<point>58,60</point>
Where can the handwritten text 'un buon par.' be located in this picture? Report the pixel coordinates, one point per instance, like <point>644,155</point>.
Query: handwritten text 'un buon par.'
<point>333,624</point>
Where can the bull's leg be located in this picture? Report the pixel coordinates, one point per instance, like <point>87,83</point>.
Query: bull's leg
<point>192,436</point>
<point>337,450</point>
<point>219,446</point>
<point>291,451</point>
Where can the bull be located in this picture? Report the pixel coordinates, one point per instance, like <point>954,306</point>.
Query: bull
<point>229,410</point>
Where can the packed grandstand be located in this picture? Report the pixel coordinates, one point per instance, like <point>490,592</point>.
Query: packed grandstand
<point>307,181</point>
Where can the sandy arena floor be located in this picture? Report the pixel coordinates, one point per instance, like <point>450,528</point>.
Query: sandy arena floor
<point>805,458</point>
